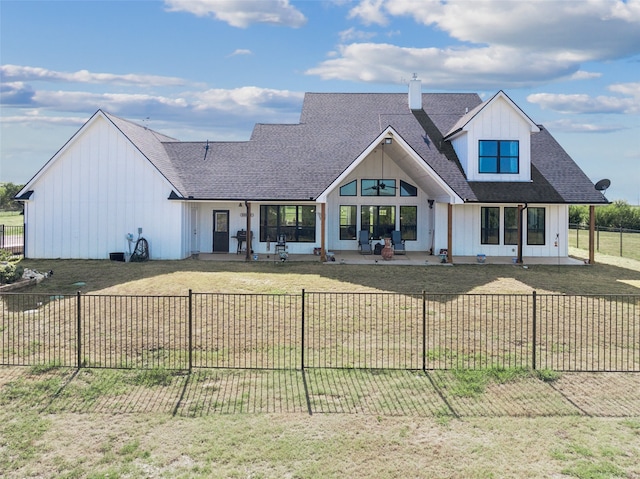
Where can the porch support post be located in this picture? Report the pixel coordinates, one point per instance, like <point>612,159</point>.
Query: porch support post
<point>592,227</point>
<point>323,229</point>
<point>247,256</point>
<point>449,233</point>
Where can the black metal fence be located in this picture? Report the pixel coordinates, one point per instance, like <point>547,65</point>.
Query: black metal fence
<point>611,241</point>
<point>323,330</point>
<point>12,239</point>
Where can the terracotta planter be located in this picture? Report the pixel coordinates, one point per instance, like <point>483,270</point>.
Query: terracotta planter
<point>387,251</point>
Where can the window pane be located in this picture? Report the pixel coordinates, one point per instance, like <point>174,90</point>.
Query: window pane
<point>369,187</point>
<point>347,222</point>
<point>382,187</point>
<point>306,232</point>
<point>408,222</point>
<point>407,189</point>
<point>349,189</point>
<point>297,223</point>
<point>386,187</point>
<point>508,165</point>
<point>509,148</point>
<point>366,218</point>
<point>386,221</point>
<point>488,148</point>
<point>511,226</point>
<point>535,226</point>
<point>380,221</point>
<point>488,165</point>
<point>490,227</point>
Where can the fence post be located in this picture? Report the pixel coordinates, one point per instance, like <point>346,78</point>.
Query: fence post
<point>302,334</point>
<point>535,329</point>
<point>78,331</point>
<point>620,240</point>
<point>424,330</point>
<point>190,330</point>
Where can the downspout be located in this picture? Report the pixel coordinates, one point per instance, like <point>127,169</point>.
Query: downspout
<point>520,230</point>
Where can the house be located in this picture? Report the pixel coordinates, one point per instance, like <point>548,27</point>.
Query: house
<point>449,171</point>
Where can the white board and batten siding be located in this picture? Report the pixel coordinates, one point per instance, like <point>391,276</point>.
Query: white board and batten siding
<point>466,233</point>
<point>97,189</point>
<point>498,121</point>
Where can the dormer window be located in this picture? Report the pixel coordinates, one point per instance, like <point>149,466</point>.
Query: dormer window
<point>499,156</point>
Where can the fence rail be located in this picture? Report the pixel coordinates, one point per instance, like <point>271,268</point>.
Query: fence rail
<point>323,330</point>
<point>12,238</point>
<point>611,241</point>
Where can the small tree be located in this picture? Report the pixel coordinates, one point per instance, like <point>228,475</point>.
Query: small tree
<point>7,192</point>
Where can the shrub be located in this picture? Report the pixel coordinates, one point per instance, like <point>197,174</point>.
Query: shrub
<point>10,270</point>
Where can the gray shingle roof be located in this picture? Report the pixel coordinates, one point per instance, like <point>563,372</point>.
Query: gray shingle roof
<point>298,161</point>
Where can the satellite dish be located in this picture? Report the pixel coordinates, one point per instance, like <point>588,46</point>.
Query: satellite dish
<point>602,185</point>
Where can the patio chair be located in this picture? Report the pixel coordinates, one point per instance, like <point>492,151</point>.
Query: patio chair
<point>281,247</point>
<point>364,243</point>
<point>398,242</point>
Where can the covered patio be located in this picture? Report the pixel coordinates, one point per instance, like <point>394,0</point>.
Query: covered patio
<point>414,258</point>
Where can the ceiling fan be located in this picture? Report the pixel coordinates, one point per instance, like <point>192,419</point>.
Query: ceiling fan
<point>380,184</point>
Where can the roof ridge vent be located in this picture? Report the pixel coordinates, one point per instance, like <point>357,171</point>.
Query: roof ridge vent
<point>415,93</point>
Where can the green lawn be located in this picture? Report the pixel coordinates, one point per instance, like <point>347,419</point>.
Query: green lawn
<point>11,218</point>
<point>257,424</point>
<point>608,242</point>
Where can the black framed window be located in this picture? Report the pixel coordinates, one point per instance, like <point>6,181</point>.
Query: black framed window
<point>296,222</point>
<point>380,187</point>
<point>407,189</point>
<point>490,225</point>
<point>379,220</point>
<point>535,226</point>
<point>510,225</point>
<point>498,156</point>
<point>409,222</point>
<point>348,221</point>
<point>350,189</point>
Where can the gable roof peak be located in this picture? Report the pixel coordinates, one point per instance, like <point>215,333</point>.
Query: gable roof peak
<point>462,123</point>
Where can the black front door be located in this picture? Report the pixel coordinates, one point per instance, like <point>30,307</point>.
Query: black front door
<point>220,231</point>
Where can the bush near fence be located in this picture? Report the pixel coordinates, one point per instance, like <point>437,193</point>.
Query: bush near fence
<point>323,330</point>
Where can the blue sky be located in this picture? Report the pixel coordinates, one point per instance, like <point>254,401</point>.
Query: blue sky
<point>211,69</point>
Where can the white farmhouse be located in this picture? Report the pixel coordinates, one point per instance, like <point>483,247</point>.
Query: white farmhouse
<point>447,171</point>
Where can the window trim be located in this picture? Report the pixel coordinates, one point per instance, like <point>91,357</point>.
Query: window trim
<point>498,157</point>
<point>504,222</point>
<point>487,232</point>
<point>284,229</point>
<point>355,183</point>
<point>341,226</point>
<point>537,231</point>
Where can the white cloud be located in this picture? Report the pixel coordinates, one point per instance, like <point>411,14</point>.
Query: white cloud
<point>34,117</point>
<point>242,14</point>
<point>598,28</point>
<point>13,73</point>
<point>354,34</point>
<point>584,75</point>
<point>504,44</point>
<point>241,51</point>
<point>570,126</point>
<point>582,103</point>
<point>629,89</point>
<point>241,107</point>
<point>369,12</point>
<point>463,68</point>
